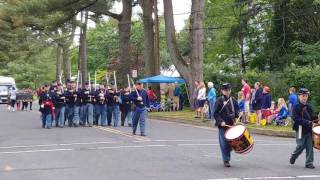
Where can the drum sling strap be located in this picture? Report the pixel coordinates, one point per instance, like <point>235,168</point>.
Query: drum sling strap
<point>304,110</point>
<point>232,106</point>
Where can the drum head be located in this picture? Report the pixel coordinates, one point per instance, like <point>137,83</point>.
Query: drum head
<point>235,132</point>
<point>316,130</point>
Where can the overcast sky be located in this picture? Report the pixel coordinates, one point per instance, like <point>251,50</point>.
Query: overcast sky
<point>181,9</point>
<point>179,6</point>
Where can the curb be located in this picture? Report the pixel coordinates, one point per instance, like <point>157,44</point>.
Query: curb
<point>260,131</point>
<point>268,132</point>
<point>176,120</point>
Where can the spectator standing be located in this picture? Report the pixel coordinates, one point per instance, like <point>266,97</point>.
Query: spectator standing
<point>195,97</point>
<point>13,97</point>
<point>293,99</point>
<point>176,96</point>
<point>246,91</point>
<point>201,98</point>
<point>151,95</point>
<point>266,102</point>
<point>257,100</point>
<point>181,101</point>
<point>212,97</point>
<point>170,91</point>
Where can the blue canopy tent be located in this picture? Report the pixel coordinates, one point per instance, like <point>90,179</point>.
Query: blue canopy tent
<point>164,79</point>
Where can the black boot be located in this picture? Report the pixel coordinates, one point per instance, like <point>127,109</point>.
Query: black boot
<point>292,160</point>
<point>226,164</point>
<point>310,166</point>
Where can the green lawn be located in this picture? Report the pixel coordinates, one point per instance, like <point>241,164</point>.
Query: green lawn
<point>187,115</point>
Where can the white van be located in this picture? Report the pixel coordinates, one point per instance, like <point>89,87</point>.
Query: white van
<point>5,84</point>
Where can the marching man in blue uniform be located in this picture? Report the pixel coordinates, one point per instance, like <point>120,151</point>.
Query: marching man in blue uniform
<point>100,106</point>
<point>125,107</point>
<point>87,105</point>
<point>46,108</point>
<point>303,119</point>
<point>60,105</point>
<point>112,107</point>
<point>140,98</point>
<point>70,96</point>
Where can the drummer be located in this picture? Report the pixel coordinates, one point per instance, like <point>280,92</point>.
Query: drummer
<point>302,116</point>
<point>226,110</point>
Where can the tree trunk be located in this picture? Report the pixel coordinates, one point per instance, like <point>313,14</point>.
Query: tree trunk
<point>58,62</point>
<point>194,70</point>
<point>66,51</point>
<point>84,61</point>
<point>124,42</point>
<point>156,48</point>
<point>197,37</point>
<point>148,50</point>
<point>243,62</point>
<point>66,61</point>
<point>80,43</point>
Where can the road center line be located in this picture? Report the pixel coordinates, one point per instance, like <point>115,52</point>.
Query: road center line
<point>34,151</point>
<point>133,146</point>
<point>94,148</point>
<point>62,144</point>
<point>218,144</point>
<point>121,133</point>
<point>271,177</point>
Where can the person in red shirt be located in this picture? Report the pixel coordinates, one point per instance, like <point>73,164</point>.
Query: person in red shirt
<point>151,95</point>
<point>246,91</point>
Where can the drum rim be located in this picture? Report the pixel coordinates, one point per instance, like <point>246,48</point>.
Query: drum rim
<point>247,150</point>
<point>315,132</point>
<point>245,128</point>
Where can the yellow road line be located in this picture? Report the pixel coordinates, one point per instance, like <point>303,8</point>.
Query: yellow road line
<point>121,133</point>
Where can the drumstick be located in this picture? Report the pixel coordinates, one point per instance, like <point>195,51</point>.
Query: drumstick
<point>228,126</point>
<point>300,132</point>
<point>238,119</point>
<point>129,83</point>
<point>115,80</point>
<point>134,86</point>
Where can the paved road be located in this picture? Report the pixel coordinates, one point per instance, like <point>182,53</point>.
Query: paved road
<point>171,151</point>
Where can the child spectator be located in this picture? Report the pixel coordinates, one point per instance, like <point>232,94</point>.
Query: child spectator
<point>205,111</point>
<point>241,103</point>
<point>271,114</point>
<point>283,112</point>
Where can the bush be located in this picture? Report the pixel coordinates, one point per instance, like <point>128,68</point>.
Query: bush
<point>308,77</point>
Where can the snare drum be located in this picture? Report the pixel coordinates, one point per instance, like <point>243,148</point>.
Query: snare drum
<point>316,136</point>
<point>239,139</point>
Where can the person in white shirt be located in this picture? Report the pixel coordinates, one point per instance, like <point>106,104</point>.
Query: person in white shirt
<point>201,97</point>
